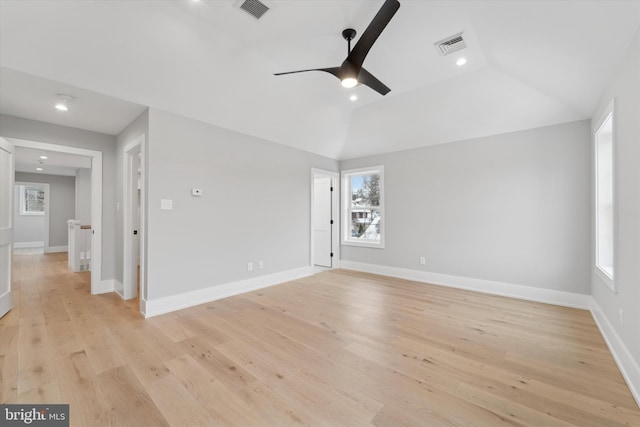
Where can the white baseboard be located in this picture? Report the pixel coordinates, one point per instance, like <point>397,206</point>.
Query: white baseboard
<point>548,296</point>
<point>52,249</point>
<point>103,287</point>
<point>5,303</point>
<point>22,245</point>
<point>627,365</point>
<point>118,288</point>
<point>164,305</point>
<point>143,307</point>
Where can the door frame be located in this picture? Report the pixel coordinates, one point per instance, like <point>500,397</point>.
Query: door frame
<point>98,286</point>
<point>47,202</point>
<point>6,234</point>
<point>335,213</point>
<point>129,197</point>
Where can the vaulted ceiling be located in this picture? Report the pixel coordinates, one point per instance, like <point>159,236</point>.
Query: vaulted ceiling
<point>530,64</point>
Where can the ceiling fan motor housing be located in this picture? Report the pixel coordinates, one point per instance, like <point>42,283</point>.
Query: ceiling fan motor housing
<point>349,34</point>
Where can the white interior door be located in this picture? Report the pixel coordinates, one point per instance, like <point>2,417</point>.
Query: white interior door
<point>322,222</point>
<point>6,223</point>
<point>134,221</point>
<point>131,226</point>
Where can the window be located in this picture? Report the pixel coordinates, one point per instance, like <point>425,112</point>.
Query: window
<point>31,200</point>
<point>604,188</point>
<point>363,207</point>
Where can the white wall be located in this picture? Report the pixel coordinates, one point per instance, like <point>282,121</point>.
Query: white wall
<point>510,208</point>
<point>625,89</point>
<point>255,205</point>
<point>26,228</point>
<point>62,193</point>
<point>83,196</point>
<point>32,130</point>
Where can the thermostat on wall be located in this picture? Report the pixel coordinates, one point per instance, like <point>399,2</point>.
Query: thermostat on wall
<point>196,192</point>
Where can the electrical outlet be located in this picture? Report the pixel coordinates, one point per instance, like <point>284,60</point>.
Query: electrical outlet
<point>250,266</point>
<point>621,313</point>
<point>423,260</point>
<point>260,265</point>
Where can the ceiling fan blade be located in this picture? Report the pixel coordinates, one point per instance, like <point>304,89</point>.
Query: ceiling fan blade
<point>373,31</point>
<point>366,78</point>
<point>334,70</point>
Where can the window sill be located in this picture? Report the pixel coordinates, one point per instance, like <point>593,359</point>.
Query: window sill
<point>376,245</point>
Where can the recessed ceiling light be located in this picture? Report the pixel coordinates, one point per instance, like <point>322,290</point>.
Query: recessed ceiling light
<point>353,97</point>
<point>461,61</point>
<point>44,157</point>
<point>39,169</point>
<point>62,104</point>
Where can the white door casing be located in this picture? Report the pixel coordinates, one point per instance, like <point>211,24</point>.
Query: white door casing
<point>325,225</point>
<point>322,222</point>
<point>6,223</point>
<point>134,219</point>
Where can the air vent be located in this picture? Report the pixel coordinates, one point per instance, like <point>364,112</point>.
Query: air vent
<point>254,8</point>
<point>451,44</point>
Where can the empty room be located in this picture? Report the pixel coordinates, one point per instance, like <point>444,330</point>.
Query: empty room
<point>322,213</point>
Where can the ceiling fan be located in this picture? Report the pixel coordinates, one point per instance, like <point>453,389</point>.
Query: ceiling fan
<point>351,71</point>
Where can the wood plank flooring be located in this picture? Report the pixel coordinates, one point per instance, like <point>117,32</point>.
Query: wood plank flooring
<point>336,349</point>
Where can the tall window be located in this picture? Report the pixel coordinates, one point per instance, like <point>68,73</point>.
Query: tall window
<point>363,207</point>
<point>604,198</point>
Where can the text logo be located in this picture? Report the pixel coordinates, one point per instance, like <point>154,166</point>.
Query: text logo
<point>34,415</point>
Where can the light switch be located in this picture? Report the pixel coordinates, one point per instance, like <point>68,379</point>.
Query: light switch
<point>166,204</point>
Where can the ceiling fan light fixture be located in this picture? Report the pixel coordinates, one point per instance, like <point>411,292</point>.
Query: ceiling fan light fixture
<point>349,82</point>
<point>351,72</point>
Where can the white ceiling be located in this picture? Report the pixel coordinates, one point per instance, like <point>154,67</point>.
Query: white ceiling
<point>32,97</point>
<point>56,163</point>
<point>531,63</point>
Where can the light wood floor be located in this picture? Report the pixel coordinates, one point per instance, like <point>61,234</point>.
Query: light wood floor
<point>339,348</point>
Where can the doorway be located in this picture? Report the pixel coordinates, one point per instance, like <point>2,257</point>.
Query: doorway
<point>324,219</point>
<point>134,224</point>
<point>97,285</point>
<point>6,223</point>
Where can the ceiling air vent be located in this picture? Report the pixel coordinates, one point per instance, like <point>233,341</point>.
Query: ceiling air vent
<point>451,44</point>
<point>254,8</point>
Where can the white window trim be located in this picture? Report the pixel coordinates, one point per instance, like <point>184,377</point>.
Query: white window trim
<point>608,280</point>
<point>23,188</point>
<point>346,204</point>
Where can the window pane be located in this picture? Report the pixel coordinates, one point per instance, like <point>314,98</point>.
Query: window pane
<point>604,197</point>
<point>365,207</point>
